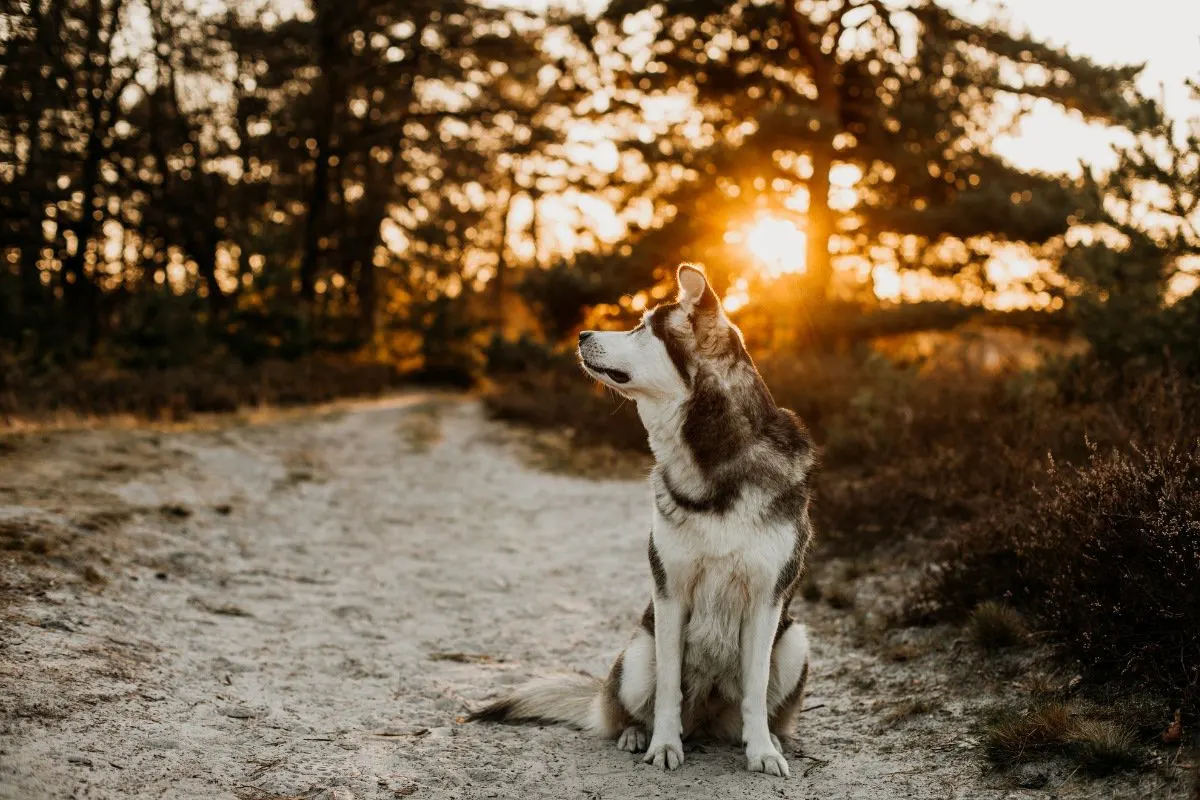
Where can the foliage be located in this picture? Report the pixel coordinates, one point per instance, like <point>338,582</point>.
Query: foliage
<point>1145,218</point>
<point>1108,557</point>
<point>286,174</point>
<point>561,294</point>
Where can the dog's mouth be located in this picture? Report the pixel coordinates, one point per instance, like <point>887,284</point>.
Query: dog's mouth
<point>614,375</point>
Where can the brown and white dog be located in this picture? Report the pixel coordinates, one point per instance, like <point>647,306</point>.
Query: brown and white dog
<point>717,653</point>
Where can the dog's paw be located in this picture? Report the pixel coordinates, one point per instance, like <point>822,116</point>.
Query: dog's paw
<point>665,755</point>
<point>767,759</point>
<point>633,739</point>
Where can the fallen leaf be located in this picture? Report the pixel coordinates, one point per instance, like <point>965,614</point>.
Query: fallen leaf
<point>462,658</point>
<point>394,732</point>
<point>1174,732</point>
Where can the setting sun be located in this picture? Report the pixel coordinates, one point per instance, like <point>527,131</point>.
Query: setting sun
<point>778,244</point>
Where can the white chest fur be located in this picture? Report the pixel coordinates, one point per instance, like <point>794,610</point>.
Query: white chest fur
<point>720,566</point>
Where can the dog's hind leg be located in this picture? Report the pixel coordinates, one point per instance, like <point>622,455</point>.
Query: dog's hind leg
<point>635,692</point>
<point>789,675</point>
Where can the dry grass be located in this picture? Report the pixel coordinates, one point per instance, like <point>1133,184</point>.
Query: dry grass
<point>994,626</point>
<point>1039,731</point>
<point>1049,730</point>
<point>903,652</point>
<point>1103,747</point>
<point>912,707</point>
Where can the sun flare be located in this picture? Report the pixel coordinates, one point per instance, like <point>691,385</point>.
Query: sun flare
<point>778,244</point>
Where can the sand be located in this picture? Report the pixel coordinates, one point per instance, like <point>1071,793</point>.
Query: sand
<point>307,605</point>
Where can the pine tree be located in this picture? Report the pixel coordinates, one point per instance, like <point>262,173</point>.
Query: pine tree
<point>1136,268</point>
<point>913,97</point>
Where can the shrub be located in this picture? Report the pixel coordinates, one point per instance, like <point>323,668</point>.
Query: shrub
<point>537,386</point>
<point>995,626</point>
<point>1108,557</point>
<point>173,393</point>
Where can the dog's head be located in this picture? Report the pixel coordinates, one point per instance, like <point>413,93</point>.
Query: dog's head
<point>661,357</point>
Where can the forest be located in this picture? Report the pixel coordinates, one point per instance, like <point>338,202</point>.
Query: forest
<point>213,205</point>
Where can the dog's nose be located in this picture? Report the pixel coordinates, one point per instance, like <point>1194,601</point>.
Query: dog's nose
<point>584,336</point>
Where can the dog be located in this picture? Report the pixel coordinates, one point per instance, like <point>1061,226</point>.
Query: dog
<point>717,653</point>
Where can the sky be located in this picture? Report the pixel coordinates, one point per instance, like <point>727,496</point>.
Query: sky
<point>1163,34</point>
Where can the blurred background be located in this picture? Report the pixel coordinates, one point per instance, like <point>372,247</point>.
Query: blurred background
<point>962,240</point>
<point>403,185</point>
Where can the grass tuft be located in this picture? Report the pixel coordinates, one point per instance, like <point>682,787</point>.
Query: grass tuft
<point>1049,730</point>
<point>1103,747</point>
<point>994,626</point>
<point>1019,737</point>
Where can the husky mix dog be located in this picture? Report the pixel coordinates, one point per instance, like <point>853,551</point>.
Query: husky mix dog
<point>717,653</point>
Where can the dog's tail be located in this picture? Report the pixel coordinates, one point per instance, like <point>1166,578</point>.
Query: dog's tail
<point>571,699</point>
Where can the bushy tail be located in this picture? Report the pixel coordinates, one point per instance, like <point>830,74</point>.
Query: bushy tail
<point>570,699</point>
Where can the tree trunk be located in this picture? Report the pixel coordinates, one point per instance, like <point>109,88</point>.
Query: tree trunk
<point>78,289</point>
<point>501,279</point>
<point>33,239</point>
<point>204,250</point>
<point>824,70</point>
<point>368,298</point>
<point>318,198</point>
<point>819,270</point>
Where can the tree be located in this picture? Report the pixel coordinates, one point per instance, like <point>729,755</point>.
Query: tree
<point>347,155</point>
<point>1135,263</point>
<point>910,96</point>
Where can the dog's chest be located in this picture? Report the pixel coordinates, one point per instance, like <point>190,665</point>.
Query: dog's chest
<point>735,556</point>
<point>720,571</point>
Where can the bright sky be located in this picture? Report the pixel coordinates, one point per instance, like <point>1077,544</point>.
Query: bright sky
<point>1164,34</point>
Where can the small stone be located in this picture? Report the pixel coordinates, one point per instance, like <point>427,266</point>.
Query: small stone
<point>1030,776</point>
<point>239,712</point>
<point>79,758</point>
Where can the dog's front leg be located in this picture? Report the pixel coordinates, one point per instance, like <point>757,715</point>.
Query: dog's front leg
<point>758,634</point>
<point>666,740</point>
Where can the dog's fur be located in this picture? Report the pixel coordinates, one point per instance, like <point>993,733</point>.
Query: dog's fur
<point>717,653</point>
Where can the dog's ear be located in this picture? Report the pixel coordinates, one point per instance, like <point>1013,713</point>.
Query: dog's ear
<point>694,291</point>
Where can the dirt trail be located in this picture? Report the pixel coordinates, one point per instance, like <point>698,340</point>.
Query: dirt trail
<point>305,608</point>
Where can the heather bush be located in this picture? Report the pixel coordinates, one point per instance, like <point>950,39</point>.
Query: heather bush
<point>102,387</point>
<point>1106,557</point>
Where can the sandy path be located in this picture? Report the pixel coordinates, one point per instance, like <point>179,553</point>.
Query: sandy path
<point>322,597</point>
